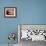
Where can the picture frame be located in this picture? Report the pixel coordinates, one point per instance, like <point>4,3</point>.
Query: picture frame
<point>10,12</point>
<point>37,29</point>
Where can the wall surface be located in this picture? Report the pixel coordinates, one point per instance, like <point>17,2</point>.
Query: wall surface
<point>28,12</point>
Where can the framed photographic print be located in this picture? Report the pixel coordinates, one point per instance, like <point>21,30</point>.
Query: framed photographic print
<point>10,12</point>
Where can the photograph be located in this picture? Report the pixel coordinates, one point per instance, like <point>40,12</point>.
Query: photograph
<point>31,33</point>
<point>10,12</point>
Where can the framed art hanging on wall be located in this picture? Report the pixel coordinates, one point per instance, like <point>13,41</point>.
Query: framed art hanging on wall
<point>10,12</point>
